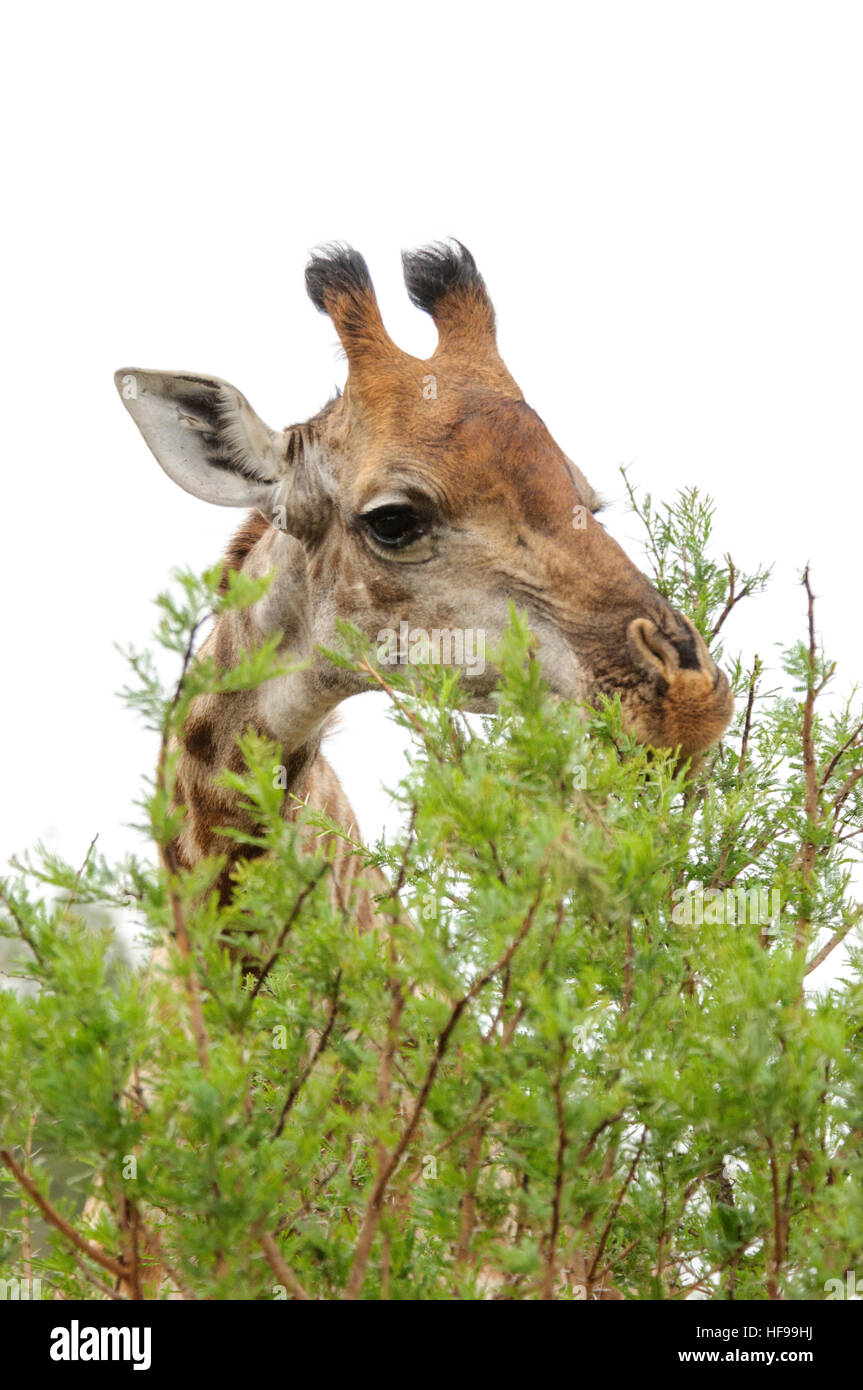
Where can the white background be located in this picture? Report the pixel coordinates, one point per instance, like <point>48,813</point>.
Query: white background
<point>664,199</point>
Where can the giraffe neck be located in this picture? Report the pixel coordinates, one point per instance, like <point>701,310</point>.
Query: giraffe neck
<point>283,710</point>
<point>210,743</point>
<point>291,710</point>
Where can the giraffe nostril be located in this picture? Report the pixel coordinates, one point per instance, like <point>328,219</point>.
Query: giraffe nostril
<point>651,650</point>
<point>667,649</point>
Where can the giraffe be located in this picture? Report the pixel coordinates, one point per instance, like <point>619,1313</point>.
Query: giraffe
<point>426,492</point>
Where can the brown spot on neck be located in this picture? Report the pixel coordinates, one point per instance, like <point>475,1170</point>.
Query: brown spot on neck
<point>241,544</point>
<point>199,739</point>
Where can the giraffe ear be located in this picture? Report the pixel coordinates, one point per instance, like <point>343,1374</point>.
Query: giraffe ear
<point>207,437</point>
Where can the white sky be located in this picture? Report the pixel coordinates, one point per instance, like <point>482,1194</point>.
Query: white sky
<point>664,199</point>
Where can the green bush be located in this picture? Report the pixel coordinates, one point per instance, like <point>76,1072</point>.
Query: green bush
<point>579,1057</point>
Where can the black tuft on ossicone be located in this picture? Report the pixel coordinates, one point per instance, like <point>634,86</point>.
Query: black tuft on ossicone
<point>431,272</point>
<point>336,269</point>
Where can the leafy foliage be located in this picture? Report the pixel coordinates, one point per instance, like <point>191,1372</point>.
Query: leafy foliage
<point>578,1058</point>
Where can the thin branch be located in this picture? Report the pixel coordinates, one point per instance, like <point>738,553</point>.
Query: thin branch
<point>778,1255</point>
<point>309,1068</point>
<point>628,981</point>
<point>845,791</point>
<point>71,898</point>
<point>468,1200</point>
<point>286,1222</point>
<point>104,1289</point>
<point>616,1208</point>
<point>590,1143</point>
<point>365,665</point>
<point>281,1269</point>
<point>130,1224</point>
<point>87,1247</point>
<point>838,936</point>
<point>294,914</point>
<point>733,598</point>
<point>20,927</point>
<point>550,1263</point>
<point>747,722</point>
<point>831,766</point>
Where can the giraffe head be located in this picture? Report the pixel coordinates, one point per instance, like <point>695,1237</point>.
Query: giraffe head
<point>424,499</point>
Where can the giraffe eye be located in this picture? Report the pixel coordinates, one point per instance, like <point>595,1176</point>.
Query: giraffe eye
<point>394,527</point>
